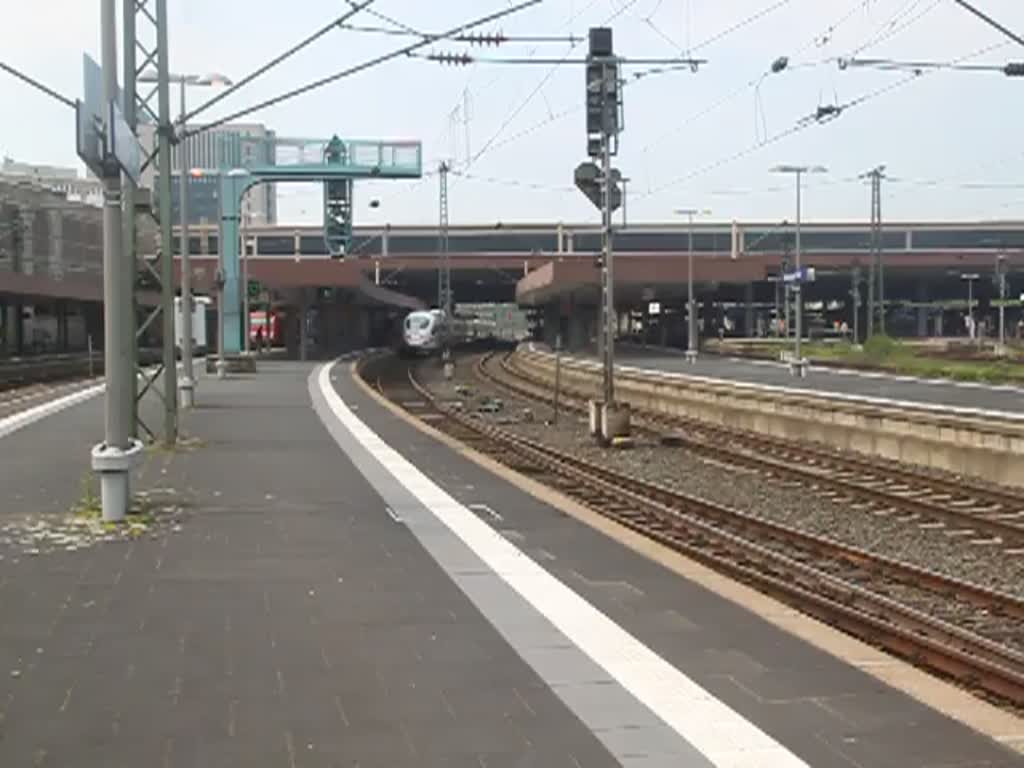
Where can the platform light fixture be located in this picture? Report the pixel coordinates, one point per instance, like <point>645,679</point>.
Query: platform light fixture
<point>798,366</point>
<point>691,307</point>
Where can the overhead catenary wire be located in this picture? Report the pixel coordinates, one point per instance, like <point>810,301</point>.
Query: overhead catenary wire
<point>335,24</point>
<point>37,85</point>
<point>896,24</point>
<point>990,21</point>
<point>779,65</point>
<point>815,118</point>
<point>368,64</point>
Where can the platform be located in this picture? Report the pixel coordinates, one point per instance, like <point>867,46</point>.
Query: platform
<point>841,382</point>
<point>345,590</point>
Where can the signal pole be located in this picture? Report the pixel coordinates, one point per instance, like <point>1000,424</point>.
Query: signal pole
<point>607,266</point>
<point>601,184</point>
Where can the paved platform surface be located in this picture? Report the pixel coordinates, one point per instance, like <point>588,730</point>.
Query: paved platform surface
<point>290,622</point>
<point>823,710</point>
<point>831,380</point>
<point>310,611</point>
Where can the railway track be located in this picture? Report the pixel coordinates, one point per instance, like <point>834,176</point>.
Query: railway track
<point>965,632</point>
<point>26,372</point>
<point>979,515</point>
<point>22,372</point>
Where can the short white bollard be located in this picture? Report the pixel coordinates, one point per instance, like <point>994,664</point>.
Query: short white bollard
<point>186,393</point>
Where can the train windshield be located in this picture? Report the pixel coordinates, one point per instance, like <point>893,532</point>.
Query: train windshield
<point>417,323</point>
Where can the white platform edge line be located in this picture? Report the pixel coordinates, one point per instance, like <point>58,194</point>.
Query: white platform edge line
<point>720,733</point>
<point>21,419</point>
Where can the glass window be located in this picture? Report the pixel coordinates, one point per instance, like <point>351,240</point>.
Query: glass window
<point>269,245</point>
<point>968,238</point>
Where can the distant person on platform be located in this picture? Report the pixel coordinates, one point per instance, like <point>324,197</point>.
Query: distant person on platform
<point>259,339</point>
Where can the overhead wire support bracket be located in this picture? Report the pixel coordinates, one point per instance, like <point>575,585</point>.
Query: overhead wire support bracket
<point>464,59</point>
<point>1011,69</point>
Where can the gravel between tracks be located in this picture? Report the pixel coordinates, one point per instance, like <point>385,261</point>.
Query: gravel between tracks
<point>743,489</point>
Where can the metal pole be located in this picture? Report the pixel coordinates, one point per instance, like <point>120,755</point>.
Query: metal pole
<point>108,457</point>
<point>130,271</point>
<point>606,247</point>
<point>188,381</point>
<point>245,273</point>
<point>115,343</point>
<point>970,308</point>
<point>167,260</point>
<point>855,295</point>
<point>691,343</point>
<point>1002,305</point>
<point>798,286</point>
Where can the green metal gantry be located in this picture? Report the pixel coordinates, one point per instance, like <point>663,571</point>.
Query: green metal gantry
<point>344,161</point>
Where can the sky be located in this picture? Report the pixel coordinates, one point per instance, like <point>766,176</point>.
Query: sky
<point>514,133</point>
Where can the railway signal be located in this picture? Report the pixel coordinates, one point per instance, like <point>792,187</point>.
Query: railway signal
<point>601,186</point>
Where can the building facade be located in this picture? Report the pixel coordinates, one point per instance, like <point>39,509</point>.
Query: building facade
<point>64,181</point>
<point>227,146</point>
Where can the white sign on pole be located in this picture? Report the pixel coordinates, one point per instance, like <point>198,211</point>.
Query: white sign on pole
<point>89,117</point>
<point>123,146</point>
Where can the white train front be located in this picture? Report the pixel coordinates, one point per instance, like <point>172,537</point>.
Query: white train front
<point>425,332</point>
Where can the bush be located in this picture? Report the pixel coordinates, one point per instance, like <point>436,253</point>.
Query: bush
<point>880,347</point>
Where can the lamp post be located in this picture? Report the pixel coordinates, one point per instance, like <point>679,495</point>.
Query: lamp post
<point>691,313</point>
<point>798,366</point>
<point>186,384</point>
<point>970,278</point>
<point>1001,276</point>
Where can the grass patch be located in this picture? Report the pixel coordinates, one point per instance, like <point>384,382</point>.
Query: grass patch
<point>89,504</point>
<point>886,353</point>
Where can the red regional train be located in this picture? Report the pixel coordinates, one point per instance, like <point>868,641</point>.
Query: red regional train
<point>267,327</point>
